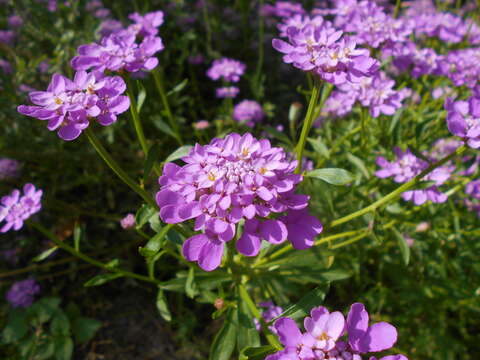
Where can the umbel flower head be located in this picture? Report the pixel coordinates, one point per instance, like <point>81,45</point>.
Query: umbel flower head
<point>324,332</point>
<point>16,208</point>
<point>69,105</point>
<point>229,180</point>
<point>324,51</point>
<point>248,112</point>
<point>22,293</point>
<point>226,69</point>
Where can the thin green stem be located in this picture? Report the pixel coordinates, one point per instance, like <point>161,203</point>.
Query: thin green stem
<point>88,259</point>
<point>397,192</point>
<point>136,117</point>
<point>261,32</point>
<point>116,168</point>
<point>157,76</point>
<point>307,124</point>
<point>245,296</point>
<point>398,5</point>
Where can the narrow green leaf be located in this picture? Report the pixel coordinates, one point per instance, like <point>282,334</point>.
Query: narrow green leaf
<point>144,214</point>
<point>84,328</point>
<point>190,283</point>
<point>402,244</point>
<point>102,279</point>
<point>247,334</point>
<point>179,87</point>
<point>224,342</point>
<point>142,95</point>
<point>319,147</point>
<point>154,245</point>
<point>306,303</point>
<point>163,126</point>
<point>162,306</point>
<point>332,176</point>
<point>256,353</point>
<point>63,348</point>
<point>153,154</point>
<point>359,164</point>
<point>179,153</point>
<point>44,254</point>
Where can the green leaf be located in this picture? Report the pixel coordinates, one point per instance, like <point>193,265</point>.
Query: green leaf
<point>163,126</point>
<point>44,309</point>
<point>154,245</point>
<point>359,164</point>
<point>162,306</point>
<point>306,303</point>
<point>84,328</point>
<point>45,350</point>
<point>153,154</point>
<point>179,87</point>
<point>179,153</point>
<point>144,214</point>
<point>224,342</point>
<point>16,327</point>
<point>142,95</point>
<point>257,353</point>
<point>63,348</point>
<point>247,334</point>
<point>402,244</point>
<point>44,254</point>
<point>190,288</point>
<point>319,147</point>
<point>60,325</point>
<point>78,235</point>
<point>332,176</point>
<point>102,279</point>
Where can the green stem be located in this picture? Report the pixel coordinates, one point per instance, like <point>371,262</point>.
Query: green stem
<point>397,9</point>
<point>396,193</point>
<point>87,258</point>
<point>261,31</point>
<point>272,339</point>
<point>307,124</point>
<point>136,117</point>
<point>116,168</point>
<point>157,75</point>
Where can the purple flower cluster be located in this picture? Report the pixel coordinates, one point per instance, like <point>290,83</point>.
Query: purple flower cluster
<point>324,330</point>
<point>69,105</point>
<point>324,51</point>
<point>463,120</point>
<point>271,312</point>
<point>128,221</point>
<point>248,112</point>
<point>406,167</point>
<point>408,57</point>
<point>16,208</point>
<point>22,293</point>
<point>120,50</point>
<point>462,67</point>
<point>226,69</point>
<point>9,168</point>
<point>283,9</point>
<point>227,92</point>
<point>229,180</point>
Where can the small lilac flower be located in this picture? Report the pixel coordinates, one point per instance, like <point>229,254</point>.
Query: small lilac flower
<point>9,168</point>
<point>201,125</point>
<point>108,27</point>
<point>146,25</point>
<point>227,92</point>
<point>408,57</point>
<point>16,208</point>
<point>15,21</point>
<point>406,167</point>
<point>323,51</point>
<point>43,66</point>
<point>22,293</point>
<point>101,13</point>
<point>5,66</point>
<point>461,66</point>
<point>69,105</point>
<point>442,91</point>
<point>226,69</point>
<point>248,112</point>
<point>7,37</point>
<point>324,327</point>
<point>128,221</point>
<point>463,120</point>
<point>473,189</point>
<point>196,59</point>
<point>283,9</point>
<point>228,180</point>
<point>271,312</point>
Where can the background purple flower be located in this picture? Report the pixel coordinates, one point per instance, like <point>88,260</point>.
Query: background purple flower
<point>248,112</point>
<point>9,168</point>
<point>128,221</point>
<point>226,69</point>
<point>22,293</point>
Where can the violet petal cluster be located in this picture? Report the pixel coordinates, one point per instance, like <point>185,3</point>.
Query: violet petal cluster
<point>68,105</point>
<point>128,221</point>
<point>406,167</point>
<point>9,168</point>
<point>463,119</point>
<point>22,293</point>
<point>226,69</point>
<point>16,208</point>
<point>323,335</point>
<point>227,92</point>
<point>229,180</point>
<point>271,312</point>
<point>132,49</point>
<point>248,112</point>
<point>324,51</point>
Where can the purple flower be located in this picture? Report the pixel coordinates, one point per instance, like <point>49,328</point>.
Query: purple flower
<point>201,125</point>
<point>69,105</point>
<point>7,37</point>
<point>463,119</point>
<point>16,208</point>
<point>228,180</point>
<point>226,69</point>
<point>102,13</point>
<point>196,59</point>
<point>299,21</point>
<point>461,66</point>
<point>22,293</point>
<point>324,327</point>
<point>227,92</point>
<point>108,27</point>
<point>248,112</point>
<point>15,21</point>
<point>43,66</point>
<point>283,9</point>
<point>406,167</point>
<point>9,168</point>
<point>473,189</point>
<point>5,66</point>
<point>323,51</point>
<point>128,221</point>
<point>271,312</point>
<point>146,25</point>
<point>408,57</point>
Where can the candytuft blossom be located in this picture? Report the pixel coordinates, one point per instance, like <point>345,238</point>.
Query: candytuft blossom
<point>226,69</point>
<point>227,92</point>
<point>16,208</point>
<point>22,293</point>
<point>229,180</point>
<point>248,112</point>
<point>9,168</point>
<point>128,221</point>
<point>70,105</point>
<point>463,119</point>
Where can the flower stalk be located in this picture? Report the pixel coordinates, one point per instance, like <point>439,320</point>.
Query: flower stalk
<point>136,117</point>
